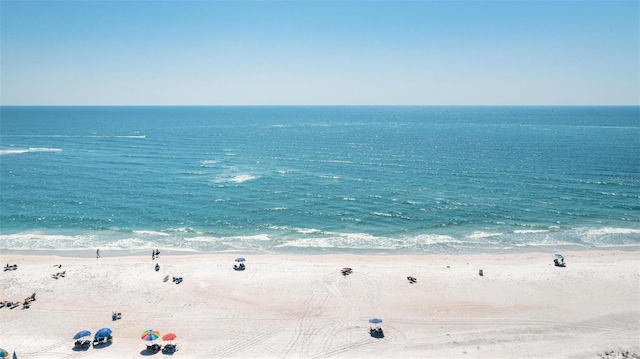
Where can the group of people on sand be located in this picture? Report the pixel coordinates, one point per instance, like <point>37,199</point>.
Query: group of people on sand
<point>559,263</point>
<point>155,254</point>
<point>26,303</point>
<point>10,267</point>
<point>168,348</point>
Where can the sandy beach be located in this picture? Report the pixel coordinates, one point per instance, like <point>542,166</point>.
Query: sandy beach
<point>302,306</point>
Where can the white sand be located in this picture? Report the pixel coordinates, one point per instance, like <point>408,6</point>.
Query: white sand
<point>302,307</point>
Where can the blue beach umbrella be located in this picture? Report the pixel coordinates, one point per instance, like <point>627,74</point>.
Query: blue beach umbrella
<point>557,256</point>
<point>239,259</point>
<point>103,333</point>
<point>84,333</point>
<point>375,321</point>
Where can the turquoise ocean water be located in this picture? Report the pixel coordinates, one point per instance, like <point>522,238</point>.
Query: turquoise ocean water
<point>320,179</point>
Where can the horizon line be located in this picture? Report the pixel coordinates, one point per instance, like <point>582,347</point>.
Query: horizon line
<point>322,105</point>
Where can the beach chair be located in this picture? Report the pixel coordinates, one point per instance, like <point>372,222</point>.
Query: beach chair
<point>14,304</point>
<point>3,303</point>
<point>169,349</point>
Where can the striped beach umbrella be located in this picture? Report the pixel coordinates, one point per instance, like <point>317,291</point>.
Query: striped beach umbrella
<point>150,335</point>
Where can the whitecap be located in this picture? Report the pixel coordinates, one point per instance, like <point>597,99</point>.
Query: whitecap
<point>529,231</point>
<point>208,163</point>
<point>151,233</point>
<point>381,214</point>
<point>242,178</point>
<point>14,151</point>
<point>610,230</point>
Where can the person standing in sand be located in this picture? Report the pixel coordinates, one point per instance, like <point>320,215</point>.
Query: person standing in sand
<point>98,253</point>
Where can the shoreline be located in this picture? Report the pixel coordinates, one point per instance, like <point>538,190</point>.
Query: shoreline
<point>301,306</point>
<point>119,252</point>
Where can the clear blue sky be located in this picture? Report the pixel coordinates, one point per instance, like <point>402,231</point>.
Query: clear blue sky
<point>320,53</point>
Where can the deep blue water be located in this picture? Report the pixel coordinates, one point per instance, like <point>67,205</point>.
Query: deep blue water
<point>320,179</point>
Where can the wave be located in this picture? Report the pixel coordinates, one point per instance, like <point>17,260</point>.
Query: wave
<point>14,151</point>
<point>608,230</point>
<point>208,163</point>
<point>151,233</point>
<point>277,238</point>
<point>241,178</point>
<point>480,235</point>
<point>78,136</point>
<point>529,231</point>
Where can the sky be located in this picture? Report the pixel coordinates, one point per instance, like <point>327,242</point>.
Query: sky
<point>319,52</point>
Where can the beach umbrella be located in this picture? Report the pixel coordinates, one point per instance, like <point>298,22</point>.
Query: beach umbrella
<point>557,256</point>
<point>84,333</point>
<point>4,353</point>
<point>375,321</point>
<point>239,259</point>
<point>102,333</point>
<point>150,335</point>
<point>169,337</point>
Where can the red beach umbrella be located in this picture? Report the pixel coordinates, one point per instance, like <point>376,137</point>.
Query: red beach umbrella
<point>169,336</point>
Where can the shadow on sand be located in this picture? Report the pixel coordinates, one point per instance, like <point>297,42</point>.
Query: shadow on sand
<point>102,345</point>
<point>147,352</point>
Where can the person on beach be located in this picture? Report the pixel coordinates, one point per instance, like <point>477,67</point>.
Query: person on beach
<point>98,253</point>
<point>153,255</point>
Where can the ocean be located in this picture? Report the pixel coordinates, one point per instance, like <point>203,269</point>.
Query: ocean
<point>320,179</point>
